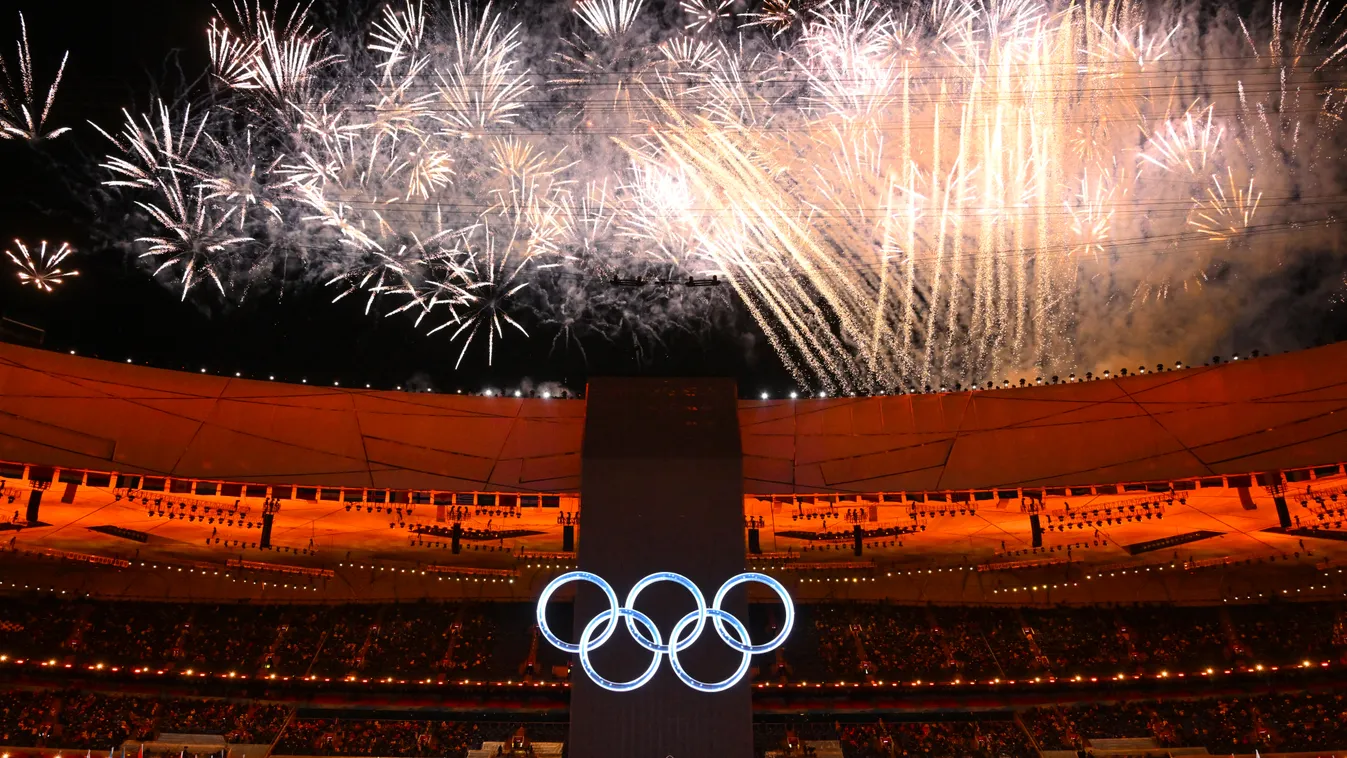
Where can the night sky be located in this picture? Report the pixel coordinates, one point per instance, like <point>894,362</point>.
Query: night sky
<point>114,310</point>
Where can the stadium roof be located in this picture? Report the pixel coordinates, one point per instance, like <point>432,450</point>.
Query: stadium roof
<point>1142,485</point>
<point>1256,415</point>
<point>68,411</point>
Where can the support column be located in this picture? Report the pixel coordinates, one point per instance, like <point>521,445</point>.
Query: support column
<point>662,490</point>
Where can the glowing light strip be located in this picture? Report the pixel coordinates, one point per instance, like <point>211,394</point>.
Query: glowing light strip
<point>279,568</point>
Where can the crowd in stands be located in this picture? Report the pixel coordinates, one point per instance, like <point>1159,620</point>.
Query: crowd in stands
<point>1309,630</point>
<point>1070,641</point>
<point>100,721</point>
<point>946,738</point>
<point>859,641</point>
<point>852,641</point>
<point>237,722</point>
<point>253,630</point>
<point>414,640</point>
<point>368,641</point>
<point>372,737</point>
<point>1284,723</point>
<point>73,720</point>
<point>130,633</point>
<point>986,643</point>
<point>391,737</point>
<point>25,717</point>
<point>1172,638</point>
<point>856,642</point>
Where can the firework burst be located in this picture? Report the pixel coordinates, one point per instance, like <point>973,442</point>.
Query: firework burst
<point>1227,211</point>
<point>195,239</point>
<point>609,18</point>
<point>1092,215</point>
<point>1186,145</point>
<point>258,51</point>
<point>22,115</point>
<point>897,194</point>
<point>41,268</point>
<point>704,14</point>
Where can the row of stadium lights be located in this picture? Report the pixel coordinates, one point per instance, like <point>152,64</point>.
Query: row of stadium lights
<point>237,579</point>
<point>488,392</point>
<point>1258,669</point>
<point>1006,383</point>
<point>1065,585</point>
<point>440,577</point>
<point>855,579</point>
<point>1174,566</point>
<point>843,579</point>
<point>1311,588</point>
<point>1078,678</point>
<point>147,670</point>
<point>804,580</point>
<point>264,583</point>
<point>888,574</point>
<point>1037,587</point>
<point>823,394</point>
<point>1251,596</point>
<point>179,569</point>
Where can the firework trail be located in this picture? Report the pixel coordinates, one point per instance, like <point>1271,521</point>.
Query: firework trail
<point>41,267</point>
<point>897,194</point>
<point>257,51</point>
<point>21,114</point>
<point>1227,211</point>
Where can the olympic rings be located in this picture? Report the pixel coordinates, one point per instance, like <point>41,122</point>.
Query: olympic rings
<point>650,639</point>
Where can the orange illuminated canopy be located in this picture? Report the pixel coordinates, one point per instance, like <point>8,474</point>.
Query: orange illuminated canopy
<point>71,412</point>
<point>1171,473</point>
<point>1271,413</point>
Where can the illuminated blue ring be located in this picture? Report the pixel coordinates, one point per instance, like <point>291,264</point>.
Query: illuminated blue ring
<point>678,642</point>
<point>567,578</point>
<point>746,646</point>
<point>674,641</point>
<point>719,616</point>
<point>585,649</point>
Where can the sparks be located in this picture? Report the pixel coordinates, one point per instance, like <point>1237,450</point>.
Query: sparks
<point>895,194</point>
<point>41,268</point>
<point>22,115</point>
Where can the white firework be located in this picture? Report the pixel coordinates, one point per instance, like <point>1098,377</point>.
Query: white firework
<point>22,114</point>
<point>263,53</point>
<point>895,195</point>
<point>609,18</point>
<point>194,238</point>
<point>41,268</point>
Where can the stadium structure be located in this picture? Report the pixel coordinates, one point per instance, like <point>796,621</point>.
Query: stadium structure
<point>1141,563</point>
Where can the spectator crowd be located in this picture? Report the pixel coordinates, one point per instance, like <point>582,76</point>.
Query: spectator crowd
<point>406,641</point>
<point>1266,723</point>
<point>1282,723</point>
<point>95,721</point>
<point>100,721</point>
<point>858,641</point>
<point>394,737</point>
<point>842,641</point>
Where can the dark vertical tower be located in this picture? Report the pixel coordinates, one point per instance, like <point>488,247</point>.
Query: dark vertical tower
<point>662,490</point>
